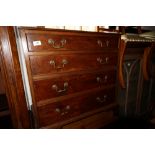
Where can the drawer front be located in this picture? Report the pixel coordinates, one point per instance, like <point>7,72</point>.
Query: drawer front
<point>97,100</point>
<point>66,63</point>
<point>55,87</point>
<point>67,109</point>
<point>54,42</point>
<point>57,112</point>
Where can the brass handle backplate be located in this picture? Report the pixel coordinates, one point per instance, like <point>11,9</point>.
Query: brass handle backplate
<point>63,63</point>
<point>102,80</point>
<point>107,43</point>
<point>100,43</point>
<point>55,87</point>
<point>63,111</point>
<point>101,100</point>
<point>101,61</point>
<point>57,45</point>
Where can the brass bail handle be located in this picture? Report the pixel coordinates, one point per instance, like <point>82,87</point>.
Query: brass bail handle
<point>63,63</point>
<point>98,99</point>
<point>102,80</point>
<point>100,43</point>
<point>63,111</point>
<point>55,87</point>
<point>101,61</point>
<point>57,45</point>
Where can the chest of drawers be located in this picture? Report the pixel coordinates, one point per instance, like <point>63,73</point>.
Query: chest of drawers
<point>72,76</point>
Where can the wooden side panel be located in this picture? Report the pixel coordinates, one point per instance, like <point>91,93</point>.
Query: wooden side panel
<point>15,90</point>
<point>2,89</point>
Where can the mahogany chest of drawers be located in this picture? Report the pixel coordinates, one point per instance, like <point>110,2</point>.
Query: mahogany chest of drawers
<point>72,76</point>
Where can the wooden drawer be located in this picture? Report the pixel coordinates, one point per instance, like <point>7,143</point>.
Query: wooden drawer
<point>69,108</point>
<point>64,85</point>
<point>58,42</point>
<point>47,64</point>
<point>93,122</point>
<point>97,100</point>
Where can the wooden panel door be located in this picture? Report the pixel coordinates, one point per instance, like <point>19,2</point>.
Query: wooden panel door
<point>135,97</point>
<point>128,97</point>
